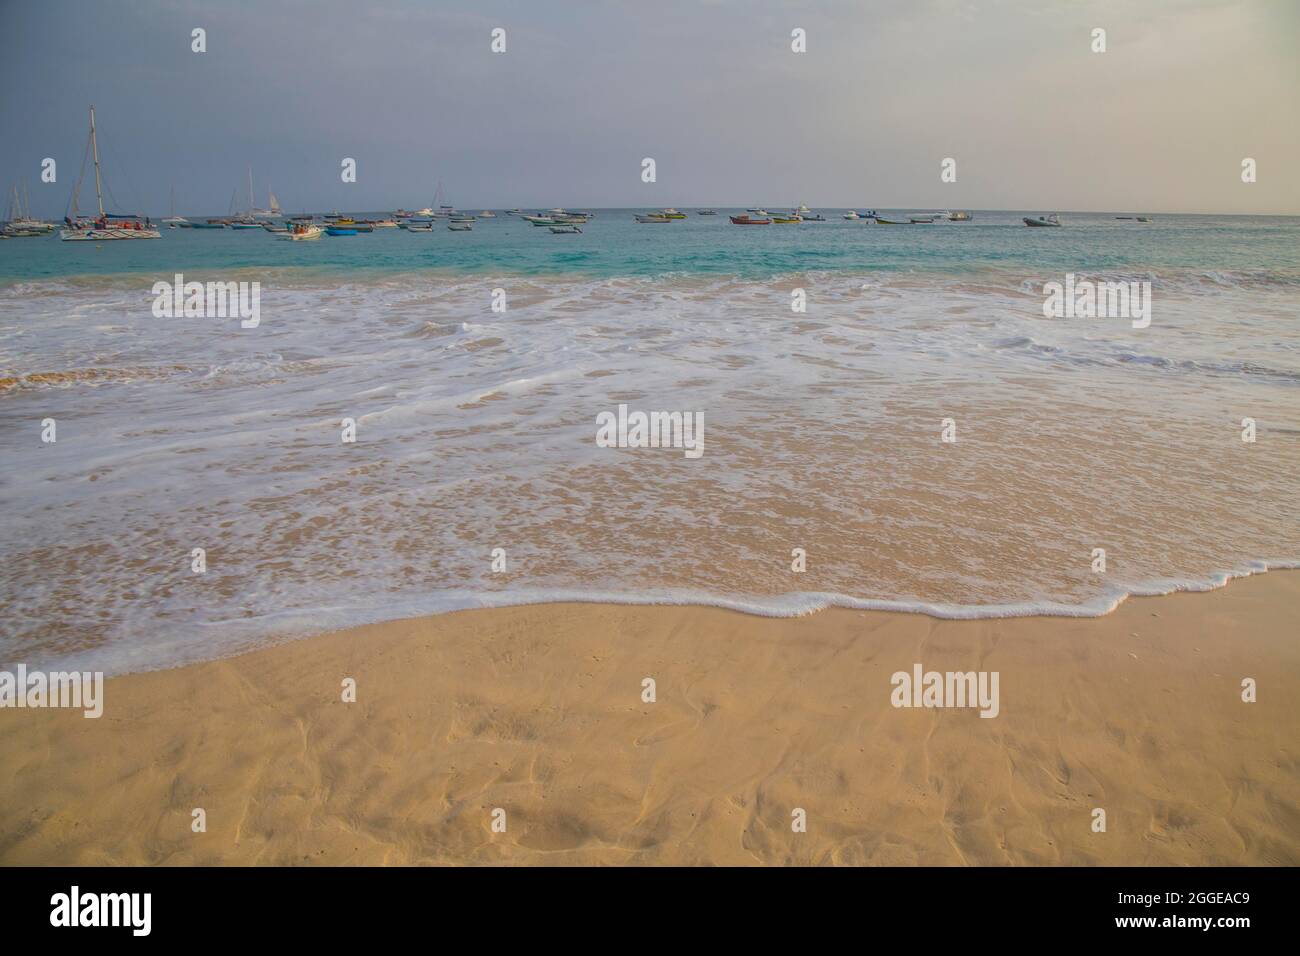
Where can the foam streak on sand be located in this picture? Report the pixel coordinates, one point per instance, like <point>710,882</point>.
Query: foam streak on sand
<point>538,711</point>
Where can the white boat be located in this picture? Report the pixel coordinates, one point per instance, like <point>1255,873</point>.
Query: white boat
<point>851,214</point>
<point>105,227</point>
<point>426,212</point>
<point>562,230</point>
<point>303,231</point>
<point>487,214</point>
<point>21,224</point>
<point>959,216</point>
<point>274,212</point>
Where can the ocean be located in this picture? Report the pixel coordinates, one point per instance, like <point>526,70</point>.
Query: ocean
<point>475,478</point>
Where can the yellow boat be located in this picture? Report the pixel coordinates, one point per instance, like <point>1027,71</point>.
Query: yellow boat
<point>787,219</point>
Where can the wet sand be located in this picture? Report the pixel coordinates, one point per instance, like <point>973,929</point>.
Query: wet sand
<point>538,711</point>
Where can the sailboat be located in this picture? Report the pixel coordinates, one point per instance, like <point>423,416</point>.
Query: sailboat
<point>21,224</point>
<point>274,211</point>
<point>173,221</point>
<point>106,226</point>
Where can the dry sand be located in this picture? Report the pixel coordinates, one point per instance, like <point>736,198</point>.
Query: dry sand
<point>538,711</point>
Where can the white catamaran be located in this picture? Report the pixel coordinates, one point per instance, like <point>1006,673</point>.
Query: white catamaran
<point>105,226</point>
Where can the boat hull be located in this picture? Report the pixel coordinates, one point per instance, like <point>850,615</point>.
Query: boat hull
<point>105,235</point>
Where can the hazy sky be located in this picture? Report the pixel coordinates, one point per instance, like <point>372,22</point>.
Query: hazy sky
<point>711,90</point>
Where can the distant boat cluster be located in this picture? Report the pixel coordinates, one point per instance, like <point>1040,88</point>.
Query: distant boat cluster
<point>271,218</point>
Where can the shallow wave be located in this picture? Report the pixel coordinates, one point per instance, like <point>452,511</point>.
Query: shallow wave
<point>222,637</point>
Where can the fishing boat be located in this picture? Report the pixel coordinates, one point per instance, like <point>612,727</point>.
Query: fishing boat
<point>340,231</point>
<point>460,226</point>
<point>786,220</point>
<point>652,218</point>
<point>891,222</point>
<point>300,231</point>
<point>106,226</point>
<point>461,219</point>
<point>1052,220</point>
<point>563,230</point>
<point>381,223</point>
<point>418,226</point>
<point>706,212</point>
<point>1144,219</point>
<point>748,220</point>
<point>959,216</point>
<point>921,220</point>
<point>672,214</point>
<point>815,217</point>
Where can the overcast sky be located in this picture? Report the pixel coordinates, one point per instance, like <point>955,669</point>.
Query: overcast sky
<point>711,90</point>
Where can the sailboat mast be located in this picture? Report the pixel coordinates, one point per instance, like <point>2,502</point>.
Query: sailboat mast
<point>94,145</point>
<point>252,204</point>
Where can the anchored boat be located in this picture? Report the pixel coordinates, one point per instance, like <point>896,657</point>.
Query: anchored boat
<point>106,226</point>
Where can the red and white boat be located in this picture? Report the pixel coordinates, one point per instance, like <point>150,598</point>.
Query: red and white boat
<point>748,220</point>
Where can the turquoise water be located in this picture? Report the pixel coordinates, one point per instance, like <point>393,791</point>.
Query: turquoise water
<point>612,244</point>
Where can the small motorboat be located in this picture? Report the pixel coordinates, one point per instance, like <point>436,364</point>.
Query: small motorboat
<point>487,214</point>
<point>921,220</point>
<point>1144,219</point>
<point>786,220</point>
<point>302,231</point>
<point>275,227</point>
<point>653,218</point>
<point>418,226</point>
<point>460,226</point>
<point>851,214</point>
<point>748,220</point>
<point>207,225</point>
<point>672,214</point>
<point>564,230</point>
<point>706,212</point>
<point>245,225</point>
<point>881,221</point>
<point>340,230</point>
<point>1052,220</point>
<point>959,216</point>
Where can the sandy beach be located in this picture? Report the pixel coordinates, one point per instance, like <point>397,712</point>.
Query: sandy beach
<point>539,711</point>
